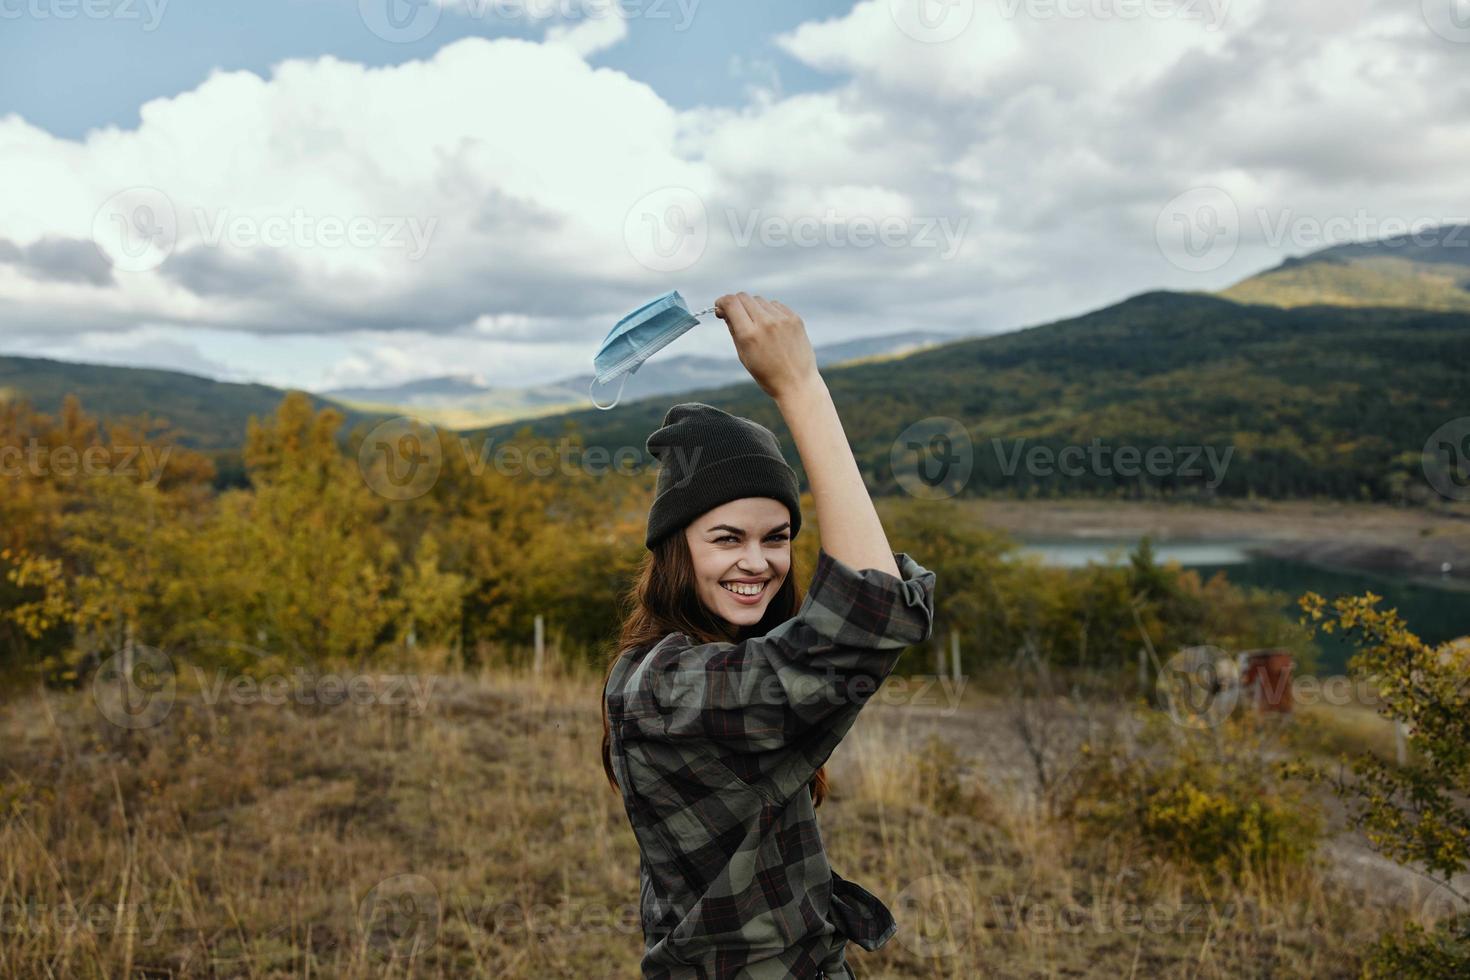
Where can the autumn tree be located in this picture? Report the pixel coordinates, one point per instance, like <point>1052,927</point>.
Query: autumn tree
<point>1419,812</point>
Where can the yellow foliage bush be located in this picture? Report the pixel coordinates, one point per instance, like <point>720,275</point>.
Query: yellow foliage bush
<point>1197,803</point>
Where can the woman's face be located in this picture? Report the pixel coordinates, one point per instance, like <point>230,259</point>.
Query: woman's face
<point>744,543</point>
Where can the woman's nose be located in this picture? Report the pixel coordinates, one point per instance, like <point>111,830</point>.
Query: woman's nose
<point>754,560</point>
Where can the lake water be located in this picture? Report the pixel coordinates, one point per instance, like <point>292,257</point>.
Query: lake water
<point>1435,614</point>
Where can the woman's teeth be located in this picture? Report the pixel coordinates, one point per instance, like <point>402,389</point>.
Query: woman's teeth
<point>741,588</point>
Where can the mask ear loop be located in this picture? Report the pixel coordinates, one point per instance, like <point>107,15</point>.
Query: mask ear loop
<point>619,396</point>
<point>616,398</point>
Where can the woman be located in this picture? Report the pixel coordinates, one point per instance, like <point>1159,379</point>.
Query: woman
<point>726,697</point>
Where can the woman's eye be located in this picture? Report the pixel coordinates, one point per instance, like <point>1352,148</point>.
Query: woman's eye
<point>730,537</point>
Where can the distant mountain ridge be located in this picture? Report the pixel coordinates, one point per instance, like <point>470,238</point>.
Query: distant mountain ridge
<point>1336,402</point>
<point>208,414</point>
<point>1325,375</point>
<point>462,401</point>
<point>1427,270</point>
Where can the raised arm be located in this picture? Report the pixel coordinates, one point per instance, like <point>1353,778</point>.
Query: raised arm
<point>771,342</point>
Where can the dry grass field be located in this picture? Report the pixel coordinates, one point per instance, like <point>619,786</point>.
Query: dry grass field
<point>461,826</point>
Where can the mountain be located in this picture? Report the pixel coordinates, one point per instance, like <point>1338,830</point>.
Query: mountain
<point>424,389</point>
<point>207,414</point>
<point>1428,270</point>
<point>461,401</point>
<point>1337,402</point>
<point>211,415</point>
<point>1330,382</point>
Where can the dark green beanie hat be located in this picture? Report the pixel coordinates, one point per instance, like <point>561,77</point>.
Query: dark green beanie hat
<point>708,458</point>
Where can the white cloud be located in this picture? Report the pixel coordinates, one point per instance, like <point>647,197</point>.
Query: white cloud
<point>591,34</point>
<point>1054,141</point>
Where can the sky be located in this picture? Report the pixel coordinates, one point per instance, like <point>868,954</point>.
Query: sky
<point>333,193</point>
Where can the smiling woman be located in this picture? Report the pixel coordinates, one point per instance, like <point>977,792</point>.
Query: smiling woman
<point>725,697</point>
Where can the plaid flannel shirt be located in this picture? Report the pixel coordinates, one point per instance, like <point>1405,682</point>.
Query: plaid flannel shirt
<point>714,745</point>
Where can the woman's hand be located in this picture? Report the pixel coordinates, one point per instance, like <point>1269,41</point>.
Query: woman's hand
<point>770,341</point>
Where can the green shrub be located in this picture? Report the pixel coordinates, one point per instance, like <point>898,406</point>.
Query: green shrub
<point>1196,803</point>
<point>1415,952</point>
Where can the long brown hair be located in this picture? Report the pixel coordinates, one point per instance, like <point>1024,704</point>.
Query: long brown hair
<point>663,599</point>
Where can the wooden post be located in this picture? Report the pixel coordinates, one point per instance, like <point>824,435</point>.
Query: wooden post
<point>1142,669</point>
<point>127,664</point>
<point>954,655</point>
<point>540,646</point>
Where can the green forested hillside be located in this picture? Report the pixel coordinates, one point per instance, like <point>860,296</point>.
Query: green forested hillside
<point>207,414</point>
<point>1310,401</point>
<point>1334,401</point>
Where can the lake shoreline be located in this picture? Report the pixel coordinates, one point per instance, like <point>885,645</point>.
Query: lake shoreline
<point>1407,542</point>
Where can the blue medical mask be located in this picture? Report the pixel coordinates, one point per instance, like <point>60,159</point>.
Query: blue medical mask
<point>638,336</point>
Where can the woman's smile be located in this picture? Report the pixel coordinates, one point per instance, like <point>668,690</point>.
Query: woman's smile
<point>745,592</point>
